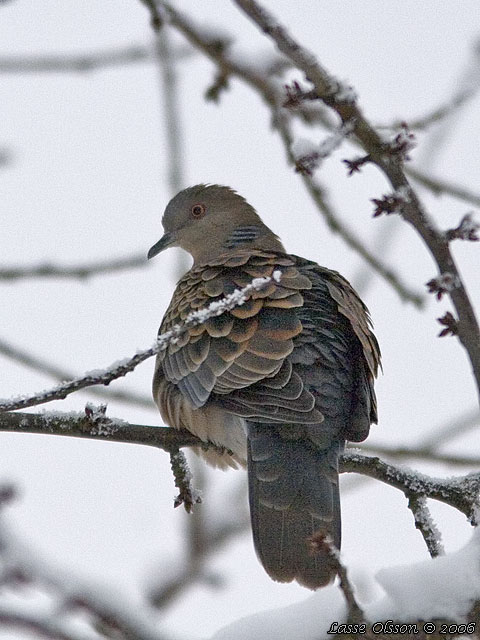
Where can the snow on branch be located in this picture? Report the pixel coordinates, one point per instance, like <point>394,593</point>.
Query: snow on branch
<point>425,524</point>
<point>460,492</point>
<point>122,367</point>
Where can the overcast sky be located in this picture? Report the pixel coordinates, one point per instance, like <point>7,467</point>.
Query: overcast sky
<point>87,180</point>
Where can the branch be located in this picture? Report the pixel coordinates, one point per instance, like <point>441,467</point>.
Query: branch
<point>156,20</point>
<point>17,354</point>
<point>216,48</point>
<point>469,87</point>
<point>188,496</point>
<point>83,62</point>
<point>82,272</point>
<point>440,186</point>
<point>80,425</point>
<point>40,626</point>
<point>322,543</point>
<point>460,492</point>
<point>389,158</point>
<point>420,453</point>
<point>426,526</point>
<point>121,368</point>
<point>450,430</point>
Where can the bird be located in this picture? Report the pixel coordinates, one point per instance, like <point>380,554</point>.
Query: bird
<point>278,384</point>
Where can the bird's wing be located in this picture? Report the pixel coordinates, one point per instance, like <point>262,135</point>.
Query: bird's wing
<point>246,348</point>
<point>335,314</point>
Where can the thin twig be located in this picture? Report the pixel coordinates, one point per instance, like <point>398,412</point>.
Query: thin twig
<point>156,20</point>
<point>414,453</point>
<point>187,496</point>
<point>83,62</point>
<point>440,186</point>
<point>207,530</point>
<point>27,359</point>
<point>320,197</point>
<point>426,526</point>
<point>321,542</point>
<point>439,113</point>
<point>116,619</point>
<point>449,430</point>
<point>82,272</point>
<point>171,122</point>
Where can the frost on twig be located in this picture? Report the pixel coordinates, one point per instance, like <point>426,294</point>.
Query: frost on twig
<point>121,368</point>
<point>426,526</point>
<point>188,496</point>
<point>460,492</point>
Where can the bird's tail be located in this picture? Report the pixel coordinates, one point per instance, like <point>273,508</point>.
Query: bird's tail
<point>294,500</point>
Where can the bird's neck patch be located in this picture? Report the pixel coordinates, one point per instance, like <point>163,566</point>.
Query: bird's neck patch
<point>242,235</point>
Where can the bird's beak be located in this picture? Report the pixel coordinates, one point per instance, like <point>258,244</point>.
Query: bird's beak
<point>167,240</point>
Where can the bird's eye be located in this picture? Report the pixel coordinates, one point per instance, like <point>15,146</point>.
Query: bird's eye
<point>198,210</point>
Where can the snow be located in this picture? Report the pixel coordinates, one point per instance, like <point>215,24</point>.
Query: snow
<point>404,193</point>
<point>447,281</point>
<point>309,619</point>
<point>302,147</point>
<point>345,93</point>
<point>443,588</point>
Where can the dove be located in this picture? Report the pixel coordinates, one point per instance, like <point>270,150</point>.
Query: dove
<point>280,383</point>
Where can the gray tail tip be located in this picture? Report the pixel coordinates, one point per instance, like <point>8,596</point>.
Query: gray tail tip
<point>319,571</point>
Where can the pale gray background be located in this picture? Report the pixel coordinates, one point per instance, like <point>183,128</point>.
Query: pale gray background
<point>88,181</point>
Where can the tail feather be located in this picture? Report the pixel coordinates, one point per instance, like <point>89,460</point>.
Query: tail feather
<point>293,491</point>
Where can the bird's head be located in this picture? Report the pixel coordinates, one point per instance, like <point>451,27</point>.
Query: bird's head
<point>209,220</point>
